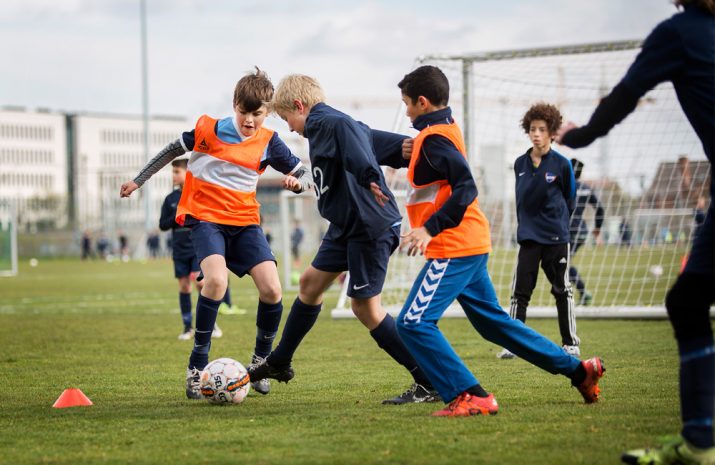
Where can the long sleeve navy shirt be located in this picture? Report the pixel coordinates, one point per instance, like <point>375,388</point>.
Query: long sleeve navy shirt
<point>544,198</point>
<point>584,196</point>
<point>181,245</point>
<point>344,163</point>
<point>681,50</point>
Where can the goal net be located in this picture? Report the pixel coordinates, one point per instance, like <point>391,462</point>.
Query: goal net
<point>8,241</point>
<point>650,175</point>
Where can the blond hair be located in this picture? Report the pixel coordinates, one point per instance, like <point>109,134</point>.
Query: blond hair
<point>297,87</point>
<point>253,91</point>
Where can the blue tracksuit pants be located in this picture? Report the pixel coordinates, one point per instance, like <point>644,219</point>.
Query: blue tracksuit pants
<point>466,279</point>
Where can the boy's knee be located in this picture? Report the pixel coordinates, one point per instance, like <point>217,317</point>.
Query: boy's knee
<point>216,284</point>
<point>308,287</point>
<point>184,285</point>
<point>271,294</point>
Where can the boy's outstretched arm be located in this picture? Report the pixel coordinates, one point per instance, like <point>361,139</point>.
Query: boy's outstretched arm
<point>163,158</point>
<point>389,149</point>
<point>280,158</point>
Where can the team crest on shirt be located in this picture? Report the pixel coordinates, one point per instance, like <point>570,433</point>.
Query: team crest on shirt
<point>550,177</point>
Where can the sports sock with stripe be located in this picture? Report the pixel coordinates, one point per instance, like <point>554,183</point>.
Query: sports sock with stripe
<point>697,377</point>
<point>227,297</point>
<point>300,320</point>
<point>385,334</point>
<point>268,318</point>
<point>206,312</point>
<point>185,306</point>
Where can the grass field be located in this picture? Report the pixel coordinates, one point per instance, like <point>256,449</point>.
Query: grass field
<point>110,329</point>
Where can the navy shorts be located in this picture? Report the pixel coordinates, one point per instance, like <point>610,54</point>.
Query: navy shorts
<point>186,266</point>
<point>702,255</point>
<point>243,247</point>
<point>366,260</point>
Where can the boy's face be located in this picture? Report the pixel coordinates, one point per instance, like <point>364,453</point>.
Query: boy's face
<point>416,108</point>
<point>178,175</point>
<point>295,117</point>
<point>250,121</point>
<point>539,134</point>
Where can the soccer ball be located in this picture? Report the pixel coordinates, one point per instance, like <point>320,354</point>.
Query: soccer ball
<point>224,381</point>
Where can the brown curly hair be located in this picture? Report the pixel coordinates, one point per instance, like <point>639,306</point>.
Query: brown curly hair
<point>545,112</point>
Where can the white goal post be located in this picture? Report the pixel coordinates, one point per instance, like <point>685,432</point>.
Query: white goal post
<point>8,240</point>
<point>650,174</point>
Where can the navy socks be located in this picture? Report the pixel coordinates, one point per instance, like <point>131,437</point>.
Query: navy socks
<point>206,312</point>
<point>697,375</point>
<point>227,297</point>
<point>300,320</point>
<point>267,320</point>
<point>388,340</point>
<point>185,306</point>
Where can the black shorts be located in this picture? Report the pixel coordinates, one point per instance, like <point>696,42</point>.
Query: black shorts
<point>185,266</point>
<point>243,247</point>
<point>366,260</point>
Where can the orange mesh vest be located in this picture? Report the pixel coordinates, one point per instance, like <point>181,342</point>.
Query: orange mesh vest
<point>221,179</point>
<point>471,236</point>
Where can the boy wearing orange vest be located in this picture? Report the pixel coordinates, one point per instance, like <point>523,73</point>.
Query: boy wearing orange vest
<point>453,234</point>
<point>364,229</point>
<point>219,204</point>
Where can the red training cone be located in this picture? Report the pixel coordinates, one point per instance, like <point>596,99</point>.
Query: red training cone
<point>72,398</point>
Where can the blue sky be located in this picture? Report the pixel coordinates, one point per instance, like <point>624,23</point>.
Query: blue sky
<point>81,55</point>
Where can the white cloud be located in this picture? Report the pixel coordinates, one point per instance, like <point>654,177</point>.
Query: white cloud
<point>84,55</point>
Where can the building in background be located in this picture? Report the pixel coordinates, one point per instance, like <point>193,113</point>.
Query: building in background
<point>61,173</point>
<point>34,174</point>
<point>107,150</point>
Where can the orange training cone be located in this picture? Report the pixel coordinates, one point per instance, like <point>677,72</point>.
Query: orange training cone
<point>71,398</point>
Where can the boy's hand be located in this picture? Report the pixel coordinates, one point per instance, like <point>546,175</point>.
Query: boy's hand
<point>416,240</point>
<point>291,183</point>
<point>379,196</point>
<point>407,148</point>
<point>563,130</point>
<point>127,189</point>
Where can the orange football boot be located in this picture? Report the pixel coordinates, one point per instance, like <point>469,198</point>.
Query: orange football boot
<point>466,405</point>
<point>589,387</point>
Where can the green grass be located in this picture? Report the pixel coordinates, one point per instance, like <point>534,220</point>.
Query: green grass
<point>110,329</point>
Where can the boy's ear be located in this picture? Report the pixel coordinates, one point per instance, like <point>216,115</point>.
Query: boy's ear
<point>298,105</point>
<point>422,101</point>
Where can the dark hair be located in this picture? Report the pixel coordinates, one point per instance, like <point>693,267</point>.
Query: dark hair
<point>545,112</point>
<point>180,163</point>
<point>253,91</point>
<point>426,81</point>
<point>707,5</point>
<point>577,167</point>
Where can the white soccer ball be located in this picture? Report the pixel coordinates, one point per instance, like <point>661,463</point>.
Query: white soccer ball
<point>656,270</point>
<point>225,381</point>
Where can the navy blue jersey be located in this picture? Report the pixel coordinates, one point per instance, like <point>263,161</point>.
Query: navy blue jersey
<point>584,196</point>
<point>344,164</point>
<point>277,154</point>
<point>681,50</point>
<point>181,246</point>
<point>544,198</point>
